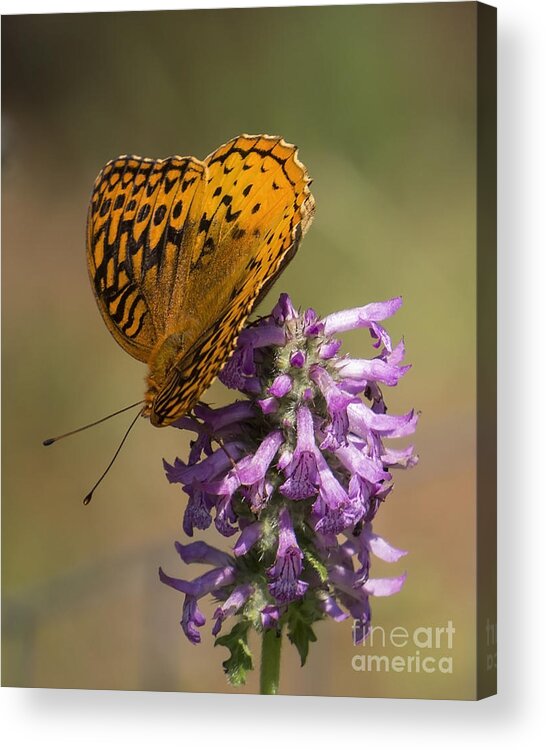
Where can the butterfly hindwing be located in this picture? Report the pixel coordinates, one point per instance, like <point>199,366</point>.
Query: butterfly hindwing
<point>257,206</point>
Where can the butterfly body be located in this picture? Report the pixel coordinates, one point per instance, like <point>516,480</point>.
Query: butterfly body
<point>180,251</point>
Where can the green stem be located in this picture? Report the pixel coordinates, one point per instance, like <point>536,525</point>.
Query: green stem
<point>271,661</point>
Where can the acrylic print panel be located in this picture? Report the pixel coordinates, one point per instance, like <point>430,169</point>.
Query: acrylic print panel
<point>329,516</point>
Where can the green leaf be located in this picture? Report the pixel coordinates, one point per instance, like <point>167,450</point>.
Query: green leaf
<point>300,633</point>
<point>240,660</point>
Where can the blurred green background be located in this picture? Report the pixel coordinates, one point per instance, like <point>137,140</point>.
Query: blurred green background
<point>382,103</point>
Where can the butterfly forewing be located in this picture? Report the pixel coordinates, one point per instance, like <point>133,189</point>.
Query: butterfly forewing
<point>180,251</point>
<point>140,212</point>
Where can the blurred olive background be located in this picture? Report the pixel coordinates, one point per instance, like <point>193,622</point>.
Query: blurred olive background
<point>381,101</point>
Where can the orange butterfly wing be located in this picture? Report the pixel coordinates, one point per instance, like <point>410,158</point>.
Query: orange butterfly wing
<point>257,207</point>
<point>180,252</point>
<point>141,210</point>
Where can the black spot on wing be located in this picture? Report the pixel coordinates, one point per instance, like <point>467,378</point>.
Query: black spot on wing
<point>105,207</point>
<point>231,216</point>
<point>120,200</point>
<point>159,214</point>
<point>169,184</point>
<point>204,224</point>
<point>143,213</point>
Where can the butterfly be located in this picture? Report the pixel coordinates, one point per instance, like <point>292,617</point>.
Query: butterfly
<point>180,251</point>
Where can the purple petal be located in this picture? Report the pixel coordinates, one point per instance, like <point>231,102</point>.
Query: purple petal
<point>337,403</point>
<point>362,419</point>
<point>285,459</point>
<point>286,586</point>
<point>334,515</point>
<point>249,537</point>
<point>197,514</point>
<point>382,337</point>
<point>344,579</point>
<point>281,386</point>
<point>384,586</point>
<point>225,517</point>
<point>188,423</point>
<point>258,494</point>
<point>302,479</point>
<point>216,419</point>
<point>358,463</point>
<point>285,590</point>
<point>380,547</point>
<point>253,469</point>
<point>268,405</point>
<point>201,552</point>
<point>330,607</point>
<point>203,585</point>
<point>311,323</point>
<point>284,310</point>
<point>361,612</point>
<point>262,336</point>
<point>329,349</point>
<point>371,369</point>
<point>225,486</point>
<point>232,605</point>
<point>239,367</point>
<point>270,616</point>
<point>175,471</point>
<point>404,458</point>
<point>360,317</point>
<point>397,354</point>
<point>192,618</point>
<point>301,473</point>
<point>297,359</point>
<point>207,469</point>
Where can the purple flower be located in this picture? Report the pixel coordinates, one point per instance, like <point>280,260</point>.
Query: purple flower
<point>197,514</point>
<point>232,605</point>
<point>239,372</point>
<point>333,508</point>
<point>286,584</point>
<point>297,358</point>
<point>280,386</point>
<point>192,618</point>
<point>304,465</point>
<point>337,402</point>
<point>301,472</point>
<point>249,536</point>
<point>270,616</point>
<point>205,584</point>
<point>361,317</point>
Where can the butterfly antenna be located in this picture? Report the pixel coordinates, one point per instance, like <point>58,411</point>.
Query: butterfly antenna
<point>52,440</point>
<point>87,498</point>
